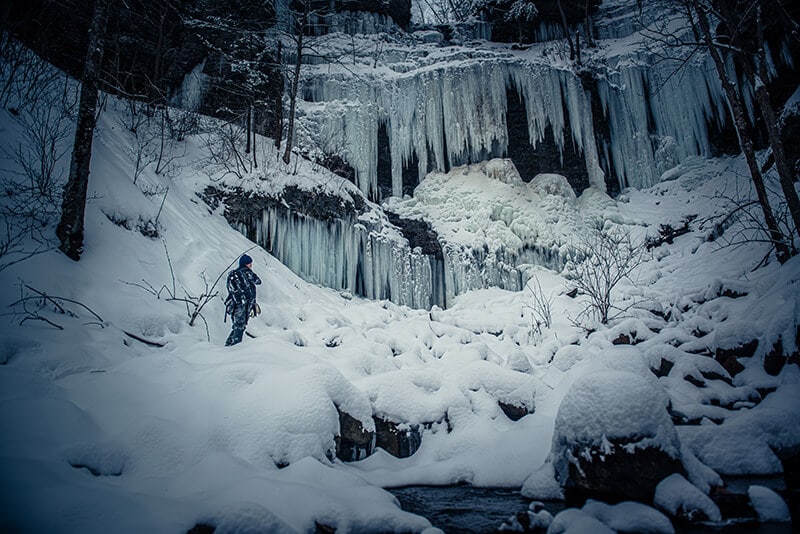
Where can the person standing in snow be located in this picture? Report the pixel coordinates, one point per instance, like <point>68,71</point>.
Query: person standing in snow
<point>241,301</point>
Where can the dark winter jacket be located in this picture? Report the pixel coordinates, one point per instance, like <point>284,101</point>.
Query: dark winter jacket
<point>242,284</point>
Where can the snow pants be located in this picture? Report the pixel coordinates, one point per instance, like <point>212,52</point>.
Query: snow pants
<point>240,316</point>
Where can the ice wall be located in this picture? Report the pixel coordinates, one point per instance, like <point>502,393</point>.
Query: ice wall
<point>455,113</point>
<point>645,103</point>
<point>376,263</point>
<point>448,115</point>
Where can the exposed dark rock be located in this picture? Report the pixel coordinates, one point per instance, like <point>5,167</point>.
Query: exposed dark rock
<point>790,459</point>
<point>680,419</point>
<point>514,412</point>
<point>338,166</point>
<point>775,359</point>
<point>667,233</point>
<point>622,339</point>
<point>353,442</point>
<point>690,517</point>
<point>398,10</point>
<point>319,204</point>
<point>732,365</point>
<point>711,375</point>
<point>546,157</point>
<point>729,357</point>
<point>731,293</point>
<point>618,475</point>
<point>397,441</point>
<point>699,333</point>
<point>572,293</point>
<point>694,381</point>
<point>97,472</point>
<point>664,369</point>
<point>419,234</point>
<point>244,206</point>
<point>321,528</point>
<point>202,528</point>
<point>510,31</point>
<point>384,166</point>
<point>732,505</point>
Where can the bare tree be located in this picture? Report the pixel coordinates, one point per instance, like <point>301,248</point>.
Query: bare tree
<point>541,307</point>
<point>605,258</point>
<point>700,16</point>
<point>240,36</point>
<point>447,11</point>
<point>301,26</point>
<point>73,206</point>
<point>746,25</point>
<point>42,102</point>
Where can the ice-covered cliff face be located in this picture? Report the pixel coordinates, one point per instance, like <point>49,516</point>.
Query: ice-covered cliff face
<point>487,228</point>
<point>628,113</point>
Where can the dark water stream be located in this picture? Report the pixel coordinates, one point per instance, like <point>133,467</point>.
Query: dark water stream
<point>470,510</point>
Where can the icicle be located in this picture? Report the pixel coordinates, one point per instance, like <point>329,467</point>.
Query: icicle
<point>457,114</point>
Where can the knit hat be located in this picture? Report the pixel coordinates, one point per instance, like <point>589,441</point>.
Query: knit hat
<point>245,260</point>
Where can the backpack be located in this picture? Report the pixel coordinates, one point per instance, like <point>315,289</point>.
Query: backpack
<point>230,306</point>
<point>234,284</point>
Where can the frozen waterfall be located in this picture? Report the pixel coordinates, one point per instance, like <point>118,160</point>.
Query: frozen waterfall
<point>378,263</point>
<point>451,113</point>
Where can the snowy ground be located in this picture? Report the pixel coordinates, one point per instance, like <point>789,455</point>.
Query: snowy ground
<point>100,432</point>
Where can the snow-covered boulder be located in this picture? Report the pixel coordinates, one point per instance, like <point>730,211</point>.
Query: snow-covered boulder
<point>428,36</point>
<point>614,438</point>
<point>630,517</point>
<point>684,501</point>
<point>768,505</point>
<point>552,184</point>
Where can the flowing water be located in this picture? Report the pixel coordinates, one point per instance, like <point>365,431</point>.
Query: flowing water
<point>470,510</point>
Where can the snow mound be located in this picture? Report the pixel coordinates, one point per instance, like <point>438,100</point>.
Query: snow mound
<point>614,404</point>
<point>768,505</point>
<point>630,516</point>
<point>552,184</point>
<point>678,497</point>
<point>542,484</point>
<point>574,521</point>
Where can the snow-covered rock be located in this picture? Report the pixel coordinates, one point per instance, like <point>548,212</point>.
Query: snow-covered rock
<point>614,437</point>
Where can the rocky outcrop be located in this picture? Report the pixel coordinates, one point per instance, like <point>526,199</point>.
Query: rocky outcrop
<point>355,443</point>
<point>614,439</point>
<point>400,440</point>
<point>621,474</point>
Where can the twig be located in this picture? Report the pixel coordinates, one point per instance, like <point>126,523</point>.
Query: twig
<point>145,341</point>
<point>37,317</point>
<point>51,299</point>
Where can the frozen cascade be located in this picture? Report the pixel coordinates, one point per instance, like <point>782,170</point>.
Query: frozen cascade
<point>348,255</point>
<point>646,103</point>
<point>449,116</point>
<point>453,115</point>
<point>193,87</point>
<point>345,255</point>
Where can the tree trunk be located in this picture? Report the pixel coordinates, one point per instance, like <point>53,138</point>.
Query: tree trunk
<point>742,129</point>
<point>566,31</point>
<point>255,157</point>
<point>589,25</point>
<point>278,109</point>
<point>248,124</point>
<point>773,131</point>
<point>73,206</point>
<point>295,84</point>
